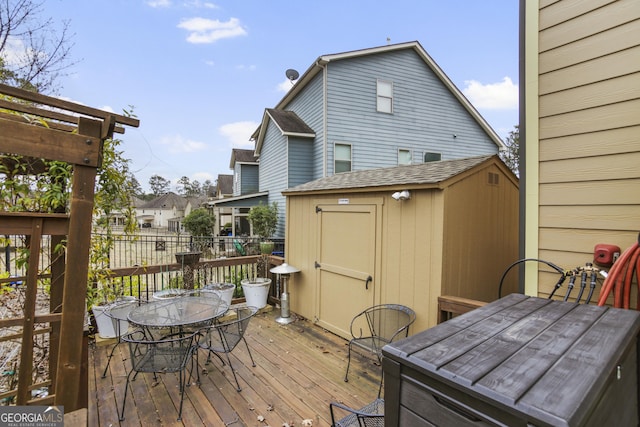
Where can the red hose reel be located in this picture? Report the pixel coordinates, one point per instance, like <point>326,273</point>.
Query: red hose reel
<point>620,275</point>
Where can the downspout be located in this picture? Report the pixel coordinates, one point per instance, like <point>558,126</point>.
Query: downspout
<point>325,144</point>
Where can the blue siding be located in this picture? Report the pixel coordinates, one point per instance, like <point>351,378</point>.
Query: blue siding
<point>425,115</point>
<point>273,171</point>
<point>300,156</point>
<point>308,106</point>
<point>249,179</point>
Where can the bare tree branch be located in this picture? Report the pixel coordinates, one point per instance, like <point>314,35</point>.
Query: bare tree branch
<point>34,53</point>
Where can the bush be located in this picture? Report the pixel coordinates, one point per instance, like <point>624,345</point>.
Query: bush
<point>264,219</point>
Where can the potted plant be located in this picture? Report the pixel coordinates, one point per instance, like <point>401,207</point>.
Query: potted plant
<point>264,220</point>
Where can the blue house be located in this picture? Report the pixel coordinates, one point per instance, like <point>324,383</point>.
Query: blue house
<point>365,109</point>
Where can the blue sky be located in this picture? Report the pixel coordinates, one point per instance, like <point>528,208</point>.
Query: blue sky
<point>200,73</point>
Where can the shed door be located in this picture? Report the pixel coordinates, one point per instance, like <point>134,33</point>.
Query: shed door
<point>345,264</point>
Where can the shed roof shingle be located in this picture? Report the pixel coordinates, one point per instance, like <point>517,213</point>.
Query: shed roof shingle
<point>424,173</point>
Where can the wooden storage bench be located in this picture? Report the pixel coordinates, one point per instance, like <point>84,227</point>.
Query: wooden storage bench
<point>519,361</point>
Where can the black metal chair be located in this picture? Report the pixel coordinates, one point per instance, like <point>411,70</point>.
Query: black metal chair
<point>222,338</point>
<point>118,312</point>
<point>169,354</point>
<point>378,326</point>
<point>371,415</point>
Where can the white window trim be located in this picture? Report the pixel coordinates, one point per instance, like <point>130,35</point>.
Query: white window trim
<point>335,144</point>
<point>410,156</point>
<point>379,96</point>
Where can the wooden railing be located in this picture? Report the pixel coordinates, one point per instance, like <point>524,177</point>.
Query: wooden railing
<point>142,281</point>
<point>450,306</point>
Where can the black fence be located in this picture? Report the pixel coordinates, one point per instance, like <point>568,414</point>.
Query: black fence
<point>142,250</point>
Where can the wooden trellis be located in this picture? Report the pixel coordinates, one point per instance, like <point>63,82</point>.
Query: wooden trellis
<point>40,127</point>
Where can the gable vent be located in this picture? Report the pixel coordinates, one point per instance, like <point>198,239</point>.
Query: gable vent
<point>494,178</point>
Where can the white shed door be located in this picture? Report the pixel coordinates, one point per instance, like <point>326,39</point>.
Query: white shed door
<point>345,264</point>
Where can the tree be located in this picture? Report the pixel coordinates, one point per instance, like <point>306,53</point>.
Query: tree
<point>136,187</point>
<point>33,52</point>
<point>208,188</point>
<point>199,222</point>
<point>183,185</point>
<point>159,185</point>
<point>264,219</point>
<point>511,155</point>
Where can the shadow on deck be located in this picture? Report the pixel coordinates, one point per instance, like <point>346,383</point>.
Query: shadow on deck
<point>300,369</point>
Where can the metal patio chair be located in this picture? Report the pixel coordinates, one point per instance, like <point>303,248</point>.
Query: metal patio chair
<point>222,338</point>
<point>166,355</point>
<point>378,326</point>
<point>371,415</point>
<point>118,312</point>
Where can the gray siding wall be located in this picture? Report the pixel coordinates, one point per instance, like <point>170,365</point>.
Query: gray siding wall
<point>308,105</point>
<point>273,171</point>
<point>425,113</point>
<point>300,154</point>
<point>249,182</point>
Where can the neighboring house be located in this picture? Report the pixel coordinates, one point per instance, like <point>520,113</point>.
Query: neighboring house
<point>162,212</point>
<point>372,108</point>
<point>245,194</point>
<point>580,130</point>
<point>224,215</point>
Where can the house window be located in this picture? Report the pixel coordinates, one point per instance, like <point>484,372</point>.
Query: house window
<point>432,157</point>
<point>342,155</point>
<point>385,96</point>
<point>404,157</point>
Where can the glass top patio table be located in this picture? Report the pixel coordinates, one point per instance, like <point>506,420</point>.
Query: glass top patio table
<point>180,311</point>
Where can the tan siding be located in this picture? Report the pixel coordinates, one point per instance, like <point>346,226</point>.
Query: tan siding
<point>605,43</point>
<point>625,88</point>
<point>579,27</point>
<point>480,219</point>
<point>300,252</point>
<point>620,166</point>
<point>603,68</point>
<point>615,193</point>
<point>567,9</point>
<point>598,217</point>
<point>597,119</point>
<point>589,131</point>
<point>609,141</point>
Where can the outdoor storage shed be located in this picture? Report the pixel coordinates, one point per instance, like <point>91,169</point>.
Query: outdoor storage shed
<point>359,240</point>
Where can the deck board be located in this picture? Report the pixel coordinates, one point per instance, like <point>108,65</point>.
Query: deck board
<point>300,369</point>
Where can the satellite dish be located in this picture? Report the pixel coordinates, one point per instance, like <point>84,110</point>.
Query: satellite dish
<point>292,74</point>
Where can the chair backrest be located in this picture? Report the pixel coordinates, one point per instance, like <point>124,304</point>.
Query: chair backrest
<point>169,354</point>
<point>386,321</point>
<point>223,337</point>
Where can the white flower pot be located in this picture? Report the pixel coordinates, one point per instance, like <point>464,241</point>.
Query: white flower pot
<point>256,291</point>
<point>167,293</point>
<point>224,290</point>
<point>104,323</point>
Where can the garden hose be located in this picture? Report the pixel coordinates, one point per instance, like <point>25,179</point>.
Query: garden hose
<point>620,278</point>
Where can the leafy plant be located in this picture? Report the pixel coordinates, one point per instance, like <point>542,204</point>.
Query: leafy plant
<point>199,223</point>
<point>264,219</point>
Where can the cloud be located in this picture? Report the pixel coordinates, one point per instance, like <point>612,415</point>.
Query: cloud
<point>238,133</point>
<point>202,177</point>
<point>180,144</point>
<point>159,3</point>
<point>492,96</point>
<point>284,86</point>
<point>202,30</point>
<point>201,4</point>
<point>246,67</point>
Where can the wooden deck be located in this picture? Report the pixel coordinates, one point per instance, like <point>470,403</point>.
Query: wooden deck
<point>300,369</point>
